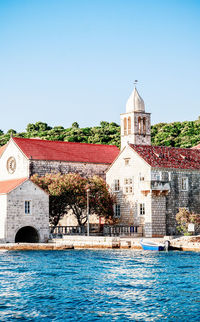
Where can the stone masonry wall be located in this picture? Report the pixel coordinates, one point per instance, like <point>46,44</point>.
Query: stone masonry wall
<point>158,216</point>
<point>3,210</point>
<point>84,169</point>
<point>177,198</point>
<point>16,217</point>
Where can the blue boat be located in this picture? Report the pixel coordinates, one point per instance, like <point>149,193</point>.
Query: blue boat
<point>150,245</point>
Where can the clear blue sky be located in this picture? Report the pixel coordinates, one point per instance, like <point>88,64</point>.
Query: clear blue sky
<point>74,60</point>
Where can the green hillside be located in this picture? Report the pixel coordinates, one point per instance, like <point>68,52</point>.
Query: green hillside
<point>177,134</point>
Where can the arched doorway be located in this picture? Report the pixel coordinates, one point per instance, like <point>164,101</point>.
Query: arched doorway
<point>27,234</point>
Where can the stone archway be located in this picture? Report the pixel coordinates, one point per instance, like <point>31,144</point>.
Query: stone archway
<point>27,234</point>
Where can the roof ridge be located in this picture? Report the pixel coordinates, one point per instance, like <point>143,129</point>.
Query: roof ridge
<point>163,146</point>
<point>56,141</point>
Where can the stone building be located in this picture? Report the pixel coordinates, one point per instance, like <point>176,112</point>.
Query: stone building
<point>24,207</point>
<point>24,211</point>
<point>151,183</point>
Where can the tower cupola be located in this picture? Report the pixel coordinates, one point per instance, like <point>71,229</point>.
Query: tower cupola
<point>135,123</point>
<point>135,102</point>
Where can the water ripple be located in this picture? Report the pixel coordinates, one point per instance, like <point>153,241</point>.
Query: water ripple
<point>108,285</point>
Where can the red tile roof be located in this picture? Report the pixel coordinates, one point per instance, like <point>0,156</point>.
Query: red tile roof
<point>196,147</point>
<point>165,157</point>
<point>67,151</point>
<point>9,185</point>
<point>2,148</point>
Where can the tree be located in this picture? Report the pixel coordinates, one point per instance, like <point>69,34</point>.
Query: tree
<point>11,132</point>
<point>69,192</point>
<point>57,206</point>
<point>104,124</point>
<point>75,125</point>
<point>30,127</point>
<point>41,126</point>
<point>184,217</point>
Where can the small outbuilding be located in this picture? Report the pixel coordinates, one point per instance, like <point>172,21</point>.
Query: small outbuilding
<point>24,212</point>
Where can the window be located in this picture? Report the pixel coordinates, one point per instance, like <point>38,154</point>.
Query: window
<point>156,176</point>
<point>184,184</point>
<point>126,161</point>
<point>139,125</point>
<point>129,125</point>
<point>116,185</point>
<point>128,182</point>
<point>125,126</point>
<point>27,207</point>
<point>141,177</point>
<point>117,211</point>
<point>144,126</point>
<point>142,209</point>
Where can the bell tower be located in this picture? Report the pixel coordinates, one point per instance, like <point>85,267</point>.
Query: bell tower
<point>135,123</point>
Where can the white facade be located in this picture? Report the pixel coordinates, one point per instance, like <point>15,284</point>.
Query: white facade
<point>20,162</point>
<point>131,171</point>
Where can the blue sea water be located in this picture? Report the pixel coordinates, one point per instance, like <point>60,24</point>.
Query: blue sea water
<point>96,285</point>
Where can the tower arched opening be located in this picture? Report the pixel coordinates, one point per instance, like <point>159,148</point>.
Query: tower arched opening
<point>125,126</point>
<point>129,125</point>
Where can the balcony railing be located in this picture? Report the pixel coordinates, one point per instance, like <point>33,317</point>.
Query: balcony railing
<point>155,186</point>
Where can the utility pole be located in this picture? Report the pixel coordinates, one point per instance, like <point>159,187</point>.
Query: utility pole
<point>88,209</point>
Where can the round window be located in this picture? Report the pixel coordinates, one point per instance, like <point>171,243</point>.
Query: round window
<point>11,165</point>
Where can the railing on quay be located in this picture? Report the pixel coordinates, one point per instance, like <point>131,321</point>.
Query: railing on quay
<point>109,230</point>
<point>59,231</point>
<point>97,230</point>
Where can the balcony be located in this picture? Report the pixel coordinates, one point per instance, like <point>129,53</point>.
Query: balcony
<point>157,187</point>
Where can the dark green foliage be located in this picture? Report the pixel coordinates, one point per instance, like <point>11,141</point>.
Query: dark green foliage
<point>75,125</point>
<point>177,134</point>
<point>11,132</point>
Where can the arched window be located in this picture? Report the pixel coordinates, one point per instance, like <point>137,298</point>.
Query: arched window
<point>139,125</point>
<point>129,125</point>
<point>144,126</point>
<point>125,126</point>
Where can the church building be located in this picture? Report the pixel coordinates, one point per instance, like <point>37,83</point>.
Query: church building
<point>151,183</point>
<point>24,207</point>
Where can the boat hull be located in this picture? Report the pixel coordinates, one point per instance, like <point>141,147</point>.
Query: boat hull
<point>152,246</point>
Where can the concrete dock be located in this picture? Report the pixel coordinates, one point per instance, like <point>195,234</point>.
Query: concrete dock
<point>185,243</point>
<point>35,246</point>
